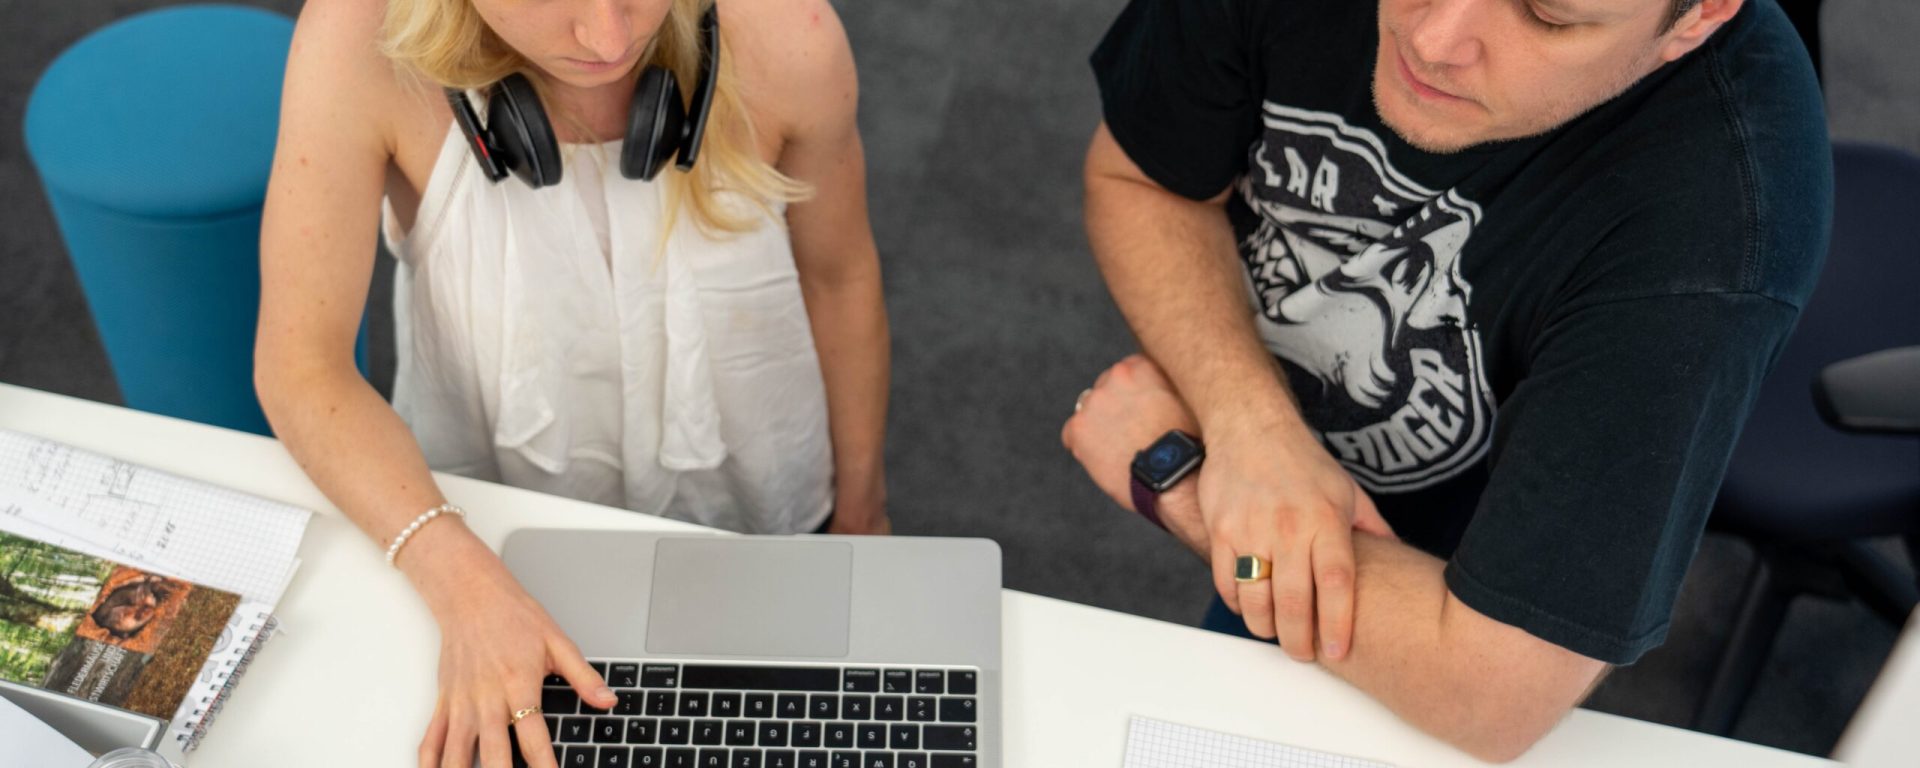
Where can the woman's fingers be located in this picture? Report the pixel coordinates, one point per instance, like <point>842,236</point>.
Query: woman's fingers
<point>436,738</point>
<point>462,732</point>
<point>568,663</point>
<point>494,750</point>
<point>534,741</point>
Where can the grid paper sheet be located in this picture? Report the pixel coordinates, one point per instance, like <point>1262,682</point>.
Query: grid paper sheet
<point>1159,744</point>
<point>200,532</point>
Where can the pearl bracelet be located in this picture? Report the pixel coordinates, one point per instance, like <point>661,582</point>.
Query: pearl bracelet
<point>412,528</point>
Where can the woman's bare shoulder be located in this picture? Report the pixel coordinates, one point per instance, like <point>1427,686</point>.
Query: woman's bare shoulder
<point>794,62</point>
<point>336,61</point>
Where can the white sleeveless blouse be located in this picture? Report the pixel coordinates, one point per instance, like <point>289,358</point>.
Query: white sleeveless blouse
<point>546,341</point>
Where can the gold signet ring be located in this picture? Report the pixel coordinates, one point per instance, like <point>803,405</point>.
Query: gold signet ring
<point>1248,568</point>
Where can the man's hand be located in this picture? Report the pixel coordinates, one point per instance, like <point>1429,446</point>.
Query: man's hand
<point>1271,490</point>
<point>1131,405</point>
<point>1293,505</point>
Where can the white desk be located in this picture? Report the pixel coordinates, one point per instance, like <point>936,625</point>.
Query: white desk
<point>350,680</point>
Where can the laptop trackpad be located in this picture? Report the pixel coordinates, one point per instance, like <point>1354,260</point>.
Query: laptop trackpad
<point>745,597</point>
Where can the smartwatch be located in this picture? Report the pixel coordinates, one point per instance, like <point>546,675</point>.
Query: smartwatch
<point>1161,466</point>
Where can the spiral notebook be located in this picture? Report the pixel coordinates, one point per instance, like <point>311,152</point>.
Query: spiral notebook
<point>1159,744</point>
<point>163,524</point>
<point>90,629</point>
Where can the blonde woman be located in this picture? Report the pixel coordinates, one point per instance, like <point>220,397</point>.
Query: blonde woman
<point>708,345</point>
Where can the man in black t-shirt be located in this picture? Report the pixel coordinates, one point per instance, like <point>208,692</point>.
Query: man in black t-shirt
<point>1467,300</point>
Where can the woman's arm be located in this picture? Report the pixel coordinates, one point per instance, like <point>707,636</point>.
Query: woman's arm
<point>316,258</point>
<point>801,81</point>
<point>316,254</point>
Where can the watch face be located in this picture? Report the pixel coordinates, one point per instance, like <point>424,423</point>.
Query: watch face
<point>1164,458</point>
<point>1167,460</point>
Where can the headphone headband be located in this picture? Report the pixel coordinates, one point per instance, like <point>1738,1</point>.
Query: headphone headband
<point>703,91</point>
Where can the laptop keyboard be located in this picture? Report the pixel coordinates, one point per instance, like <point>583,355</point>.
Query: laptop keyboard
<point>705,715</point>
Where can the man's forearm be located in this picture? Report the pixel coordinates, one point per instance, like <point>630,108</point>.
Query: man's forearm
<point>1170,263</point>
<point>1488,688</point>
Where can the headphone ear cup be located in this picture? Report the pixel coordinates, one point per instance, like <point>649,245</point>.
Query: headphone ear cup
<point>478,141</point>
<point>655,125</point>
<point>518,122</point>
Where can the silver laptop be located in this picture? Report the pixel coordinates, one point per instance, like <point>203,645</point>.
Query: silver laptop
<point>773,651</point>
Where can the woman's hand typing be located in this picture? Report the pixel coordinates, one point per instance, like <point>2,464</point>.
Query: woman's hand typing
<point>496,645</point>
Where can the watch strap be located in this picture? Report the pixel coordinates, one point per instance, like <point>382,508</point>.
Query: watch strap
<point>1146,502</point>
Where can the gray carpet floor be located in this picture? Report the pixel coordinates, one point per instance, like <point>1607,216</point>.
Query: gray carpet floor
<point>975,119</point>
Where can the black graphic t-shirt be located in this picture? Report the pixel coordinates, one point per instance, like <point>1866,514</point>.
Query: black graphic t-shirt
<point>1535,354</point>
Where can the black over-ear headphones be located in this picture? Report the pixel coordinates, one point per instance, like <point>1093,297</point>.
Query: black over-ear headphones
<point>517,137</point>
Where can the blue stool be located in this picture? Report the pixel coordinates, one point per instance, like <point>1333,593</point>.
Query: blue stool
<point>154,138</point>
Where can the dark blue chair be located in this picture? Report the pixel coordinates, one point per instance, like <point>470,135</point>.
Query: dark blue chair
<point>1806,494</point>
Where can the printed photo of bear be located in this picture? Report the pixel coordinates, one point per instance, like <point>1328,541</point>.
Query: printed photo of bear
<point>134,610</point>
<point>45,592</point>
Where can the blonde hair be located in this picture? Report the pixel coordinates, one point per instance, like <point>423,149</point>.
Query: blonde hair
<point>447,42</point>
